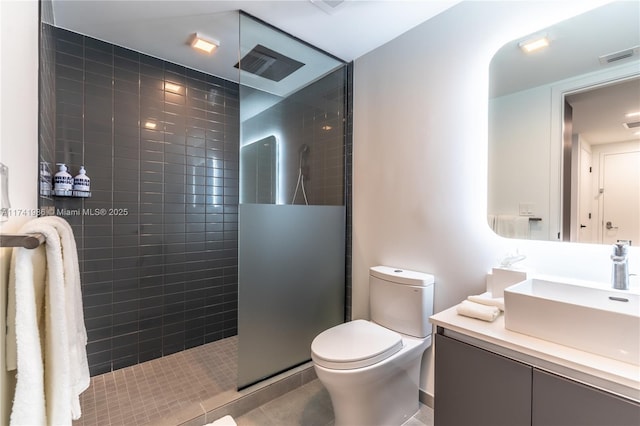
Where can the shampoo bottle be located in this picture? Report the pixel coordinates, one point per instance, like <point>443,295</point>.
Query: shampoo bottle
<point>62,182</point>
<point>82,184</point>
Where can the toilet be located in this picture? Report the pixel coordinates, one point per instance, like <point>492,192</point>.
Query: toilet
<point>371,369</point>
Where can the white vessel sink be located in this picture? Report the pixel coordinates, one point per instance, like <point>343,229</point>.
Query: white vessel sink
<point>594,319</point>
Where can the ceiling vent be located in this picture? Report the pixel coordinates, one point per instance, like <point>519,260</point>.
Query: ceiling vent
<point>632,125</point>
<point>619,56</point>
<point>268,63</point>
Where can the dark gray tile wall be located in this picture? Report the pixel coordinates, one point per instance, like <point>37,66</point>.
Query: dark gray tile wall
<point>47,107</point>
<point>159,269</point>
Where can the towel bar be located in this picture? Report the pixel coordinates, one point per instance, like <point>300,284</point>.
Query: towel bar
<point>28,241</point>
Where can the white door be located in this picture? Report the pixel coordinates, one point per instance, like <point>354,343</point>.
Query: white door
<point>621,198</point>
<point>585,200</point>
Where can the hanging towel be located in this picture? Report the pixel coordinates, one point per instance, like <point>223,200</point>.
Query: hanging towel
<point>511,226</point>
<point>491,220</point>
<point>23,333</point>
<point>46,338</point>
<point>77,333</point>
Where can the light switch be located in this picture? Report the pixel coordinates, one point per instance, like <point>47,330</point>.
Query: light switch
<point>526,209</point>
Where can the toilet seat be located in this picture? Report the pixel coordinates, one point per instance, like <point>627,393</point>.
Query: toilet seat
<point>354,344</point>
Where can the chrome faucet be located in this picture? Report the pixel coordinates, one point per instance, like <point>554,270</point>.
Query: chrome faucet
<point>620,271</point>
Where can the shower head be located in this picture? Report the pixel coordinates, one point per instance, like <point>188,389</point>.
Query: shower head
<point>303,152</point>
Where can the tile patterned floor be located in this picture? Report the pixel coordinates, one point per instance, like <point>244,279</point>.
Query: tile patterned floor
<point>310,405</point>
<point>153,392</point>
<point>148,393</point>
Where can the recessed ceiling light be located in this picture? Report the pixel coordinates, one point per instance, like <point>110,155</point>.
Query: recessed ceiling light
<point>172,87</point>
<point>203,44</point>
<point>534,43</point>
<point>150,125</point>
<point>633,114</point>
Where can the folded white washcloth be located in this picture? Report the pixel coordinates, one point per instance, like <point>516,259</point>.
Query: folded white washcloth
<point>484,299</point>
<point>223,421</point>
<point>477,310</point>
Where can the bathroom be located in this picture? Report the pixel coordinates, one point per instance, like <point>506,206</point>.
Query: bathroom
<point>429,214</point>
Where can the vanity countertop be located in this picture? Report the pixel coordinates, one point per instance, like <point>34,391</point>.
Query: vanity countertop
<point>613,376</point>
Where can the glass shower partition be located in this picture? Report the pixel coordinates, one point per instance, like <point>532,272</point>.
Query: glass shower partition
<point>291,223</point>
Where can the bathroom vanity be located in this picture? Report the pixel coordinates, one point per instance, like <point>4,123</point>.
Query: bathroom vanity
<point>488,375</point>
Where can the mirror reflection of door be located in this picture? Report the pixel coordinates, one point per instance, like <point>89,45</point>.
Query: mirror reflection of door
<point>621,198</point>
<point>605,159</point>
<point>585,201</point>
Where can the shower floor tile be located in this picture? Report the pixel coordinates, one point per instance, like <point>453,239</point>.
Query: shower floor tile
<point>152,392</point>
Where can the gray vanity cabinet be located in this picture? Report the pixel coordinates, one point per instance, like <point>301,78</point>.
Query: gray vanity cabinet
<point>477,387</point>
<point>559,401</point>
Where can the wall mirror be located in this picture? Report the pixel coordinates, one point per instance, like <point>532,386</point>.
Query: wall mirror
<point>562,131</point>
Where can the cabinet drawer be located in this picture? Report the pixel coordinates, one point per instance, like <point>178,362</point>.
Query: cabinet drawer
<point>560,401</point>
<point>477,387</point>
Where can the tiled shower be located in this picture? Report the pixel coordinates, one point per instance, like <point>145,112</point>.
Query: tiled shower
<point>160,267</point>
<point>160,144</point>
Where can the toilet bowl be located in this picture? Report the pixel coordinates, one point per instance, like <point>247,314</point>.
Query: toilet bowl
<point>374,385</point>
<point>371,369</point>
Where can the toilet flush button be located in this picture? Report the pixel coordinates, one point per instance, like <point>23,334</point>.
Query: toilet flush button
<point>397,271</point>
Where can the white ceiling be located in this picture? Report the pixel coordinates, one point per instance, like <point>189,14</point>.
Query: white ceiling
<point>163,28</point>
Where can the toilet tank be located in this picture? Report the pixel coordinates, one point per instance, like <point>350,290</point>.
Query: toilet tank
<point>401,300</point>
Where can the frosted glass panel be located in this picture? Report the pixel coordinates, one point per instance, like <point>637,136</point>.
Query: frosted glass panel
<point>291,284</point>
<point>291,217</point>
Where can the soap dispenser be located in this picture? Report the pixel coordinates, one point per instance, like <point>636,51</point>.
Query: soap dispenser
<point>620,271</point>
<point>82,184</point>
<point>62,182</point>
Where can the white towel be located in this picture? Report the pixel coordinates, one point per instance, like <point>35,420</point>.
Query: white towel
<point>224,421</point>
<point>511,226</point>
<point>77,333</point>
<point>46,337</point>
<point>491,220</point>
<point>476,310</point>
<point>23,334</point>
<point>485,299</point>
